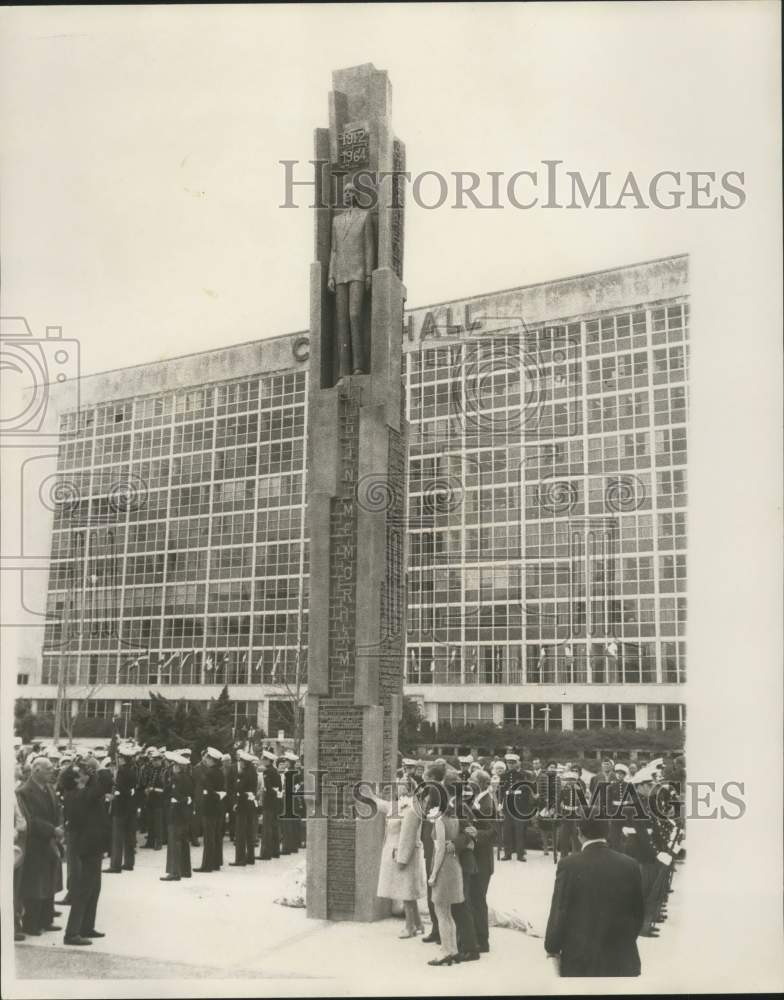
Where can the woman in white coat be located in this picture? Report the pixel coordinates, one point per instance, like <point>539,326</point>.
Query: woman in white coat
<point>402,873</point>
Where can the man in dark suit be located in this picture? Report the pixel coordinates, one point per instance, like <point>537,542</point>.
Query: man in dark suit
<point>597,909</point>
<point>42,866</point>
<point>88,822</point>
<point>485,825</point>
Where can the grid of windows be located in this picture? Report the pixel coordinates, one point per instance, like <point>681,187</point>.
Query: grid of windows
<point>604,716</point>
<point>547,524</point>
<point>534,715</point>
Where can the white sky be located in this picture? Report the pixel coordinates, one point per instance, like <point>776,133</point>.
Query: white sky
<point>140,150</point>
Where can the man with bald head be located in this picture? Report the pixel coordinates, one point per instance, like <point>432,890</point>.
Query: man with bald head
<point>42,872</point>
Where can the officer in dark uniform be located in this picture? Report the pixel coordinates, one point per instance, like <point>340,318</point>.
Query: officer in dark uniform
<point>516,798</point>
<point>289,842</point>
<point>271,794</point>
<point>178,793</point>
<point>244,809</point>
<point>569,814</point>
<point>153,798</point>
<point>197,819</point>
<point>638,843</point>
<point>212,796</point>
<point>124,809</point>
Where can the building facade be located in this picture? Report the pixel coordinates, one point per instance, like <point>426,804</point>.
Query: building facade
<point>546,517</point>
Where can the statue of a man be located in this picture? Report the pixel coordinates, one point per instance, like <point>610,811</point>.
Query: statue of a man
<point>351,262</point>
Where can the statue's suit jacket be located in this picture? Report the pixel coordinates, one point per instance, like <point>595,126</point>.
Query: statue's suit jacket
<point>353,253</point>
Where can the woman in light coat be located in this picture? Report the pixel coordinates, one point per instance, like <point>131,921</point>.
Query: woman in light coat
<point>402,873</point>
<point>446,877</point>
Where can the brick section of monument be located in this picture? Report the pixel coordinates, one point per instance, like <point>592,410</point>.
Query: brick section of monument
<point>340,721</point>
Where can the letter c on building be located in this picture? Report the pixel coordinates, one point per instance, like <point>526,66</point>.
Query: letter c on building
<point>301,348</point>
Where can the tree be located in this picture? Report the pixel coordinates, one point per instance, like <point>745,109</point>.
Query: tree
<point>292,702</point>
<point>24,720</point>
<point>410,726</point>
<point>220,722</point>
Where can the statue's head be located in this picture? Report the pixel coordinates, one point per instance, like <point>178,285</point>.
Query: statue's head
<point>350,195</point>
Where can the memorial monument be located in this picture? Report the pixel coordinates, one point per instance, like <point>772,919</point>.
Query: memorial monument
<point>356,491</point>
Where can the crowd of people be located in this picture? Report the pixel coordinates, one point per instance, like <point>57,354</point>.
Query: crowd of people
<point>447,824</point>
<point>74,808</point>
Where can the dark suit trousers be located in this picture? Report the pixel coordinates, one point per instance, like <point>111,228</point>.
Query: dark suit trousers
<point>178,848</point>
<point>85,890</point>
<point>123,841</point>
<point>476,896</point>
<point>244,834</point>
<point>464,922</point>
<point>212,856</point>
<point>270,834</point>
<point>514,835</point>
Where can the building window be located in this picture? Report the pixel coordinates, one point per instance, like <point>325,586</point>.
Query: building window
<point>604,716</point>
<point>534,715</point>
<point>462,713</point>
<point>22,679</point>
<point>666,716</point>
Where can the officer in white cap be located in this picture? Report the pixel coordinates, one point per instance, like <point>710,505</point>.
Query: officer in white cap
<point>179,805</point>
<point>245,805</point>
<point>124,812</point>
<point>213,794</point>
<point>271,793</point>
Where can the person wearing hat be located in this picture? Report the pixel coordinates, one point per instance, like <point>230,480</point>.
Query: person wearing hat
<point>198,772</point>
<point>124,812</point>
<point>288,821</point>
<point>244,809</point>
<point>213,794</point>
<point>179,796</point>
<point>409,774</point>
<point>230,771</point>
<point>569,810</point>
<point>464,760</point>
<point>638,842</point>
<point>516,795</point>
<point>153,797</point>
<point>270,794</point>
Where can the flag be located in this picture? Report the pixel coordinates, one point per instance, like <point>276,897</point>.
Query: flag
<point>568,650</point>
<point>612,647</point>
<point>276,664</point>
<point>542,656</point>
<point>208,663</point>
<point>432,666</point>
<point>258,665</point>
<point>244,658</point>
<point>225,658</point>
<point>166,664</point>
<point>452,656</point>
<point>184,660</point>
<point>413,659</point>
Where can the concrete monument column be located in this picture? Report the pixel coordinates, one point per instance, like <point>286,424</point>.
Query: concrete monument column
<point>356,494</point>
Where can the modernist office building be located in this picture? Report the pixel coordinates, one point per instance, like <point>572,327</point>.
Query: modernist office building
<point>546,521</point>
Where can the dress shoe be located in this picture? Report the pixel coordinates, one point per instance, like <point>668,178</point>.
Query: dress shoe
<point>506,857</point>
<point>127,868</point>
<point>94,934</point>
<point>53,927</point>
<point>187,876</point>
<point>32,932</point>
<point>77,940</point>
<point>467,956</point>
<point>523,858</point>
<point>203,870</point>
<point>446,960</point>
<point>236,864</point>
<point>19,936</point>
<point>431,938</point>
<point>112,871</point>
<point>169,878</point>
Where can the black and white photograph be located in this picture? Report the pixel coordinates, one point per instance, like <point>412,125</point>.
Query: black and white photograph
<point>391,453</point>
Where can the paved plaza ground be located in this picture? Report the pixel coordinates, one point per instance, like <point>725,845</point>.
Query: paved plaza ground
<point>225,925</point>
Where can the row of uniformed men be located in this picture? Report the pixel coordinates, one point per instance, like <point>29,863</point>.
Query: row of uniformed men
<point>176,803</point>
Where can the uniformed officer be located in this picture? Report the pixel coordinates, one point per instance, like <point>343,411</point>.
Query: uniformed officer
<point>153,796</point>
<point>198,771</point>
<point>638,842</point>
<point>178,792</point>
<point>465,761</point>
<point>516,798</point>
<point>271,792</point>
<point>245,799</point>
<point>124,812</point>
<point>569,814</point>
<point>212,795</point>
